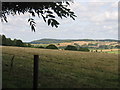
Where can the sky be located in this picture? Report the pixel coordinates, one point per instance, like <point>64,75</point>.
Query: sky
<point>95,19</point>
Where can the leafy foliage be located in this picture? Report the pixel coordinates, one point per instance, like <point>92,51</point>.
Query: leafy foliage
<point>51,46</point>
<point>74,48</point>
<point>105,46</point>
<point>70,47</point>
<point>84,49</point>
<point>117,46</point>
<point>46,10</point>
<point>40,47</point>
<point>8,42</point>
<point>32,24</point>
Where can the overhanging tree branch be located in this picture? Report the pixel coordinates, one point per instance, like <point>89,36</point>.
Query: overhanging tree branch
<point>47,10</point>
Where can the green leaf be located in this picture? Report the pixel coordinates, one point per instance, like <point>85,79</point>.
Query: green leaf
<point>30,23</point>
<point>38,13</point>
<point>51,16</point>
<point>64,16</point>
<point>72,17</point>
<point>44,18</point>
<point>49,12</point>
<point>33,28</point>
<point>33,22</point>
<point>49,21</point>
<point>33,14</point>
<point>56,22</point>
<point>5,19</point>
<point>67,3</point>
<point>71,12</point>
<point>56,25</point>
<point>52,24</point>
<point>59,15</point>
<point>29,20</point>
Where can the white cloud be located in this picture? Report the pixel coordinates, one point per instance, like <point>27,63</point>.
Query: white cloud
<point>107,27</point>
<point>111,15</point>
<point>78,6</point>
<point>105,16</point>
<point>96,4</point>
<point>94,20</point>
<point>115,5</point>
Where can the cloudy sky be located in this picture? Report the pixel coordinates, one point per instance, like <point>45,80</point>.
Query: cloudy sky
<point>95,20</point>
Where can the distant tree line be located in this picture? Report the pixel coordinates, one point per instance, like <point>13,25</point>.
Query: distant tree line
<point>75,48</point>
<point>8,42</point>
<point>49,41</point>
<point>69,47</point>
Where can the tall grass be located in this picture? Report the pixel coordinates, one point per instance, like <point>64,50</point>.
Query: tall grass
<point>60,68</point>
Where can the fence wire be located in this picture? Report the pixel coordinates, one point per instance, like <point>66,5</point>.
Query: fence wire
<point>21,68</point>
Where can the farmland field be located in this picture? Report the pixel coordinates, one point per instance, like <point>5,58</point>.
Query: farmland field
<point>113,51</point>
<point>116,52</point>
<point>44,45</point>
<point>59,68</point>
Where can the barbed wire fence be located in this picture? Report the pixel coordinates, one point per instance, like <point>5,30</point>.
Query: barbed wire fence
<point>14,61</point>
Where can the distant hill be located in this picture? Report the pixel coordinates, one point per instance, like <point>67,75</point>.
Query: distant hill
<point>49,41</point>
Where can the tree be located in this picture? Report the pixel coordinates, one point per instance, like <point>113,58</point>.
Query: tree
<point>29,45</point>
<point>0,40</point>
<point>14,42</point>
<point>84,49</point>
<point>19,43</point>
<point>51,46</point>
<point>46,10</point>
<point>117,46</point>
<point>41,47</point>
<point>104,46</point>
<point>70,47</point>
<point>96,51</point>
<point>9,42</point>
<point>3,40</point>
<point>77,45</point>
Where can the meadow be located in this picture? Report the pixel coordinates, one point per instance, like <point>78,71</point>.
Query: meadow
<point>59,68</point>
<point>113,51</point>
<point>116,52</point>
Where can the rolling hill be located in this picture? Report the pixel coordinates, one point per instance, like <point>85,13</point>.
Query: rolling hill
<point>59,69</point>
<point>49,41</point>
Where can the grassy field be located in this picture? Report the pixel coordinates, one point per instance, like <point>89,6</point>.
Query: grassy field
<point>44,45</point>
<point>115,52</point>
<point>59,68</point>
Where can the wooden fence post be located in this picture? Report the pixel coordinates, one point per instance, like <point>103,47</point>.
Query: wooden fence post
<point>11,66</point>
<point>35,72</point>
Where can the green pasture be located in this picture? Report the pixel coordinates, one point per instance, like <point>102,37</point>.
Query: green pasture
<point>59,68</point>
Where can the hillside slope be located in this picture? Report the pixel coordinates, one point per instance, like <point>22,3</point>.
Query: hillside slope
<point>49,41</point>
<point>60,69</point>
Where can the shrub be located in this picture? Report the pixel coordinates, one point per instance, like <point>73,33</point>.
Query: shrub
<point>62,47</point>
<point>51,46</point>
<point>96,51</point>
<point>84,49</point>
<point>70,47</point>
<point>40,47</point>
<point>27,45</point>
